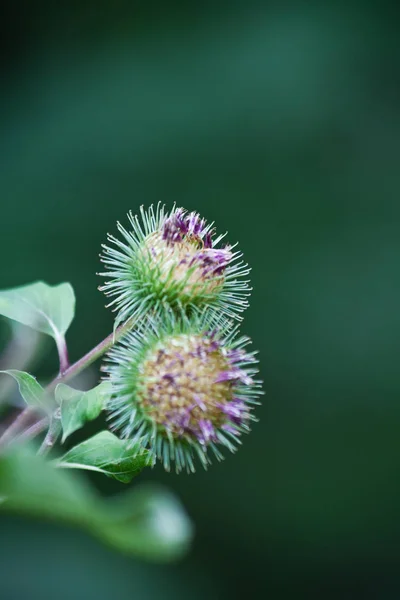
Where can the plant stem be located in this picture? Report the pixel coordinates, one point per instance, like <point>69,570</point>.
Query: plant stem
<point>52,433</point>
<point>22,422</point>
<point>89,358</point>
<point>62,353</point>
<point>33,430</point>
<point>25,417</point>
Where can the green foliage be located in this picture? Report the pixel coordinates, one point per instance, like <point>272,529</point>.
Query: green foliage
<point>79,407</point>
<point>48,309</point>
<point>107,454</point>
<point>30,390</point>
<point>148,522</point>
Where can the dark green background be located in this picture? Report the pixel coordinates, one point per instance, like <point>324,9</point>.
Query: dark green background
<point>281,122</point>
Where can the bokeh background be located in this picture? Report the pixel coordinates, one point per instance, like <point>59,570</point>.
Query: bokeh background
<point>281,122</point>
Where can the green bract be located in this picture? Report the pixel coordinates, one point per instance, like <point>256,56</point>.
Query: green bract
<point>172,260</point>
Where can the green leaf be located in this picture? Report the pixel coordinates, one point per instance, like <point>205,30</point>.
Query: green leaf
<point>78,407</point>
<point>162,529</point>
<point>148,522</point>
<point>30,390</point>
<point>46,308</point>
<point>106,453</point>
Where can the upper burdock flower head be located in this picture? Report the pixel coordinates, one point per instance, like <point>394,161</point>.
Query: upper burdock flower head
<point>172,261</point>
<point>183,388</point>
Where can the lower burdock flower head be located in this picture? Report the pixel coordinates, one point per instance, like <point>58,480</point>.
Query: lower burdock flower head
<point>172,261</point>
<point>183,388</point>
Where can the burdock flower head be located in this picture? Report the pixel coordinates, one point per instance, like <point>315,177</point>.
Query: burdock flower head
<point>183,388</point>
<point>172,261</point>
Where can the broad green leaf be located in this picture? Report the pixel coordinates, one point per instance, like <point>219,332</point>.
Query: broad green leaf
<point>106,453</point>
<point>46,308</point>
<point>30,390</point>
<point>78,407</point>
<point>28,484</point>
<point>159,521</point>
<point>148,522</point>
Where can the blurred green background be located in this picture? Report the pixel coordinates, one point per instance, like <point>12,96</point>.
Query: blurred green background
<point>281,122</point>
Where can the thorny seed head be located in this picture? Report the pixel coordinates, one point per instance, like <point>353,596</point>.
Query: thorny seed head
<point>183,388</point>
<point>172,261</point>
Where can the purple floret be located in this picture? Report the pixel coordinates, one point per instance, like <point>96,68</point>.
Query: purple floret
<point>212,261</point>
<point>207,431</point>
<point>236,411</point>
<point>234,375</point>
<point>180,224</point>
